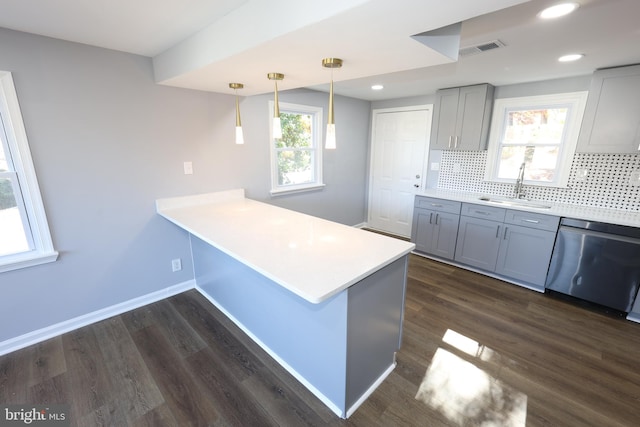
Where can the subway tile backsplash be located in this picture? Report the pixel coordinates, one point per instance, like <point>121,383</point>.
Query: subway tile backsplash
<point>606,185</point>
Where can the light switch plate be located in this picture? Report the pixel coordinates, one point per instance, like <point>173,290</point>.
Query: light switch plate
<point>188,168</point>
<point>435,166</point>
<point>634,178</point>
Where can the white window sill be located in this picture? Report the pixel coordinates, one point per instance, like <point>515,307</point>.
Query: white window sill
<point>26,259</point>
<point>296,189</point>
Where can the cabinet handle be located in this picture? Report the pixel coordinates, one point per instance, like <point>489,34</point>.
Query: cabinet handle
<point>449,141</point>
<point>430,217</point>
<point>437,218</point>
<point>436,205</point>
<point>506,229</point>
<point>482,212</point>
<point>533,221</point>
<point>455,144</point>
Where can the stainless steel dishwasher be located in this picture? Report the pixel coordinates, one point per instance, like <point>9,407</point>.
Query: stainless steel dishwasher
<point>596,262</point>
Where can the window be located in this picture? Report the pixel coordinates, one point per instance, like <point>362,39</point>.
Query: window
<point>296,159</point>
<point>539,131</point>
<point>24,233</point>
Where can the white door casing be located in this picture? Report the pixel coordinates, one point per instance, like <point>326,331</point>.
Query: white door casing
<point>399,144</point>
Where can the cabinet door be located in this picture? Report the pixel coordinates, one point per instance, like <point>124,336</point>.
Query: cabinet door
<point>444,118</point>
<point>422,229</point>
<point>611,122</point>
<point>478,242</point>
<point>472,120</point>
<point>445,234</point>
<point>525,253</point>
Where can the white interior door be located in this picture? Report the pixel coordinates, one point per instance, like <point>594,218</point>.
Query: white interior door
<point>400,141</point>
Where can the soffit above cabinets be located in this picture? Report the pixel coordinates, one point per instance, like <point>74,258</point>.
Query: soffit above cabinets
<point>291,37</point>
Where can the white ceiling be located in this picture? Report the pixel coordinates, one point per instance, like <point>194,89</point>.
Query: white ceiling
<point>206,44</point>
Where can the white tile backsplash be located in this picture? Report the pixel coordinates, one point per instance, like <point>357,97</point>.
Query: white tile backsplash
<point>596,180</point>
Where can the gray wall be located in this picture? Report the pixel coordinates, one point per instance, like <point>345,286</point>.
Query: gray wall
<point>107,141</point>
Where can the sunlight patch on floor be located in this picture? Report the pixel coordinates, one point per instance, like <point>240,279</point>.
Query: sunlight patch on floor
<point>465,393</point>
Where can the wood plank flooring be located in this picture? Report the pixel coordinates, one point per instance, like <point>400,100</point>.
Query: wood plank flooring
<point>476,352</point>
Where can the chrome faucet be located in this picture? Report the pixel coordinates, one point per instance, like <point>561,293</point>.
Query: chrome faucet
<point>518,191</point>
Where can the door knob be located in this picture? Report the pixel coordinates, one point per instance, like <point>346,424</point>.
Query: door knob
<point>416,185</point>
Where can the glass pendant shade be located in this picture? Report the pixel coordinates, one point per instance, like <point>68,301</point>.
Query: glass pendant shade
<point>330,143</point>
<point>239,136</point>
<point>277,128</point>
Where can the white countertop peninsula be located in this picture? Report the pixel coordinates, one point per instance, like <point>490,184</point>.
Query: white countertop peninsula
<point>325,300</point>
<point>613,216</point>
<point>309,256</point>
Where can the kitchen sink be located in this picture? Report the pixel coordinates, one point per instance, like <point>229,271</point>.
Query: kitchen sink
<point>521,203</point>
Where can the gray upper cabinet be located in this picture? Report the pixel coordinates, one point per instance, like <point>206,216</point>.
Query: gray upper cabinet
<point>611,122</point>
<point>461,118</point>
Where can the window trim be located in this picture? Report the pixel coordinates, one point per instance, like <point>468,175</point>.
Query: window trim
<point>20,154</point>
<point>317,137</point>
<point>576,102</point>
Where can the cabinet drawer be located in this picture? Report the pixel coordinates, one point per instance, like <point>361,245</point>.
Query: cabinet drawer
<point>532,220</point>
<point>481,211</point>
<point>439,205</point>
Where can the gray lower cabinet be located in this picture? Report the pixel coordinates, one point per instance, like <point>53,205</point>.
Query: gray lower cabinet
<point>510,243</point>
<point>435,226</point>
<point>525,253</point>
<point>478,242</point>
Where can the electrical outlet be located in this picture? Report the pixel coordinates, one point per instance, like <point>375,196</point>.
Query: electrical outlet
<point>176,265</point>
<point>634,178</point>
<point>457,168</point>
<point>435,166</point>
<point>581,174</point>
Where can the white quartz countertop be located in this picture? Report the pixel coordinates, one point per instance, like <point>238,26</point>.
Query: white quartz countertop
<point>311,257</point>
<point>613,216</point>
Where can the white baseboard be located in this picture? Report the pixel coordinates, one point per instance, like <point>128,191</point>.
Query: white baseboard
<point>52,331</point>
<point>634,317</point>
<point>370,390</point>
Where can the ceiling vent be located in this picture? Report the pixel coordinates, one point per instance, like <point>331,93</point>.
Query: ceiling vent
<point>479,48</point>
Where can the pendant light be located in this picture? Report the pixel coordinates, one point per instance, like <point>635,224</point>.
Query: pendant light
<point>239,136</point>
<point>330,143</point>
<point>277,128</point>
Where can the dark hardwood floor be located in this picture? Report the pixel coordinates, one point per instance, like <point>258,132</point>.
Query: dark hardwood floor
<point>476,352</point>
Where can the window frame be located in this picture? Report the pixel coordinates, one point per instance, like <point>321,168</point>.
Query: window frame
<point>25,183</point>
<point>317,149</point>
<point>575,101</point>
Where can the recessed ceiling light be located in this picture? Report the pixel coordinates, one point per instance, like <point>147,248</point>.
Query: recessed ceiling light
<point>571,57</point>
<point>377,87</point>
<point>558,10</point>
